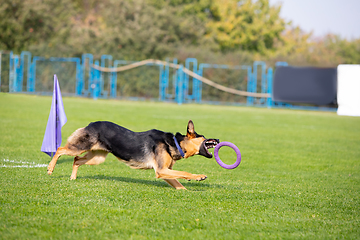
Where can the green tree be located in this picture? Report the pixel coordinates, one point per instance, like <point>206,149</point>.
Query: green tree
<point>300,48</point>
<point>133,29</point>
<point>247,25</point>
<point>349,50</point>
<point>32,22</point>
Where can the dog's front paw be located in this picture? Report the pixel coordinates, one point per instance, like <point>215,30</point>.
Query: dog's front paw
<point>200,177</point>
<point>50,170</point>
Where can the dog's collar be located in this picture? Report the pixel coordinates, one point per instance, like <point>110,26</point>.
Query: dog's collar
<point>178,147</point>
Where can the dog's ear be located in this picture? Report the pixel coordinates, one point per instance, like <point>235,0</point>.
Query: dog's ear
<point>190,130</point>
<point>179,136</point>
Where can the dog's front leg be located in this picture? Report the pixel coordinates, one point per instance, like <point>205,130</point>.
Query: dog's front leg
<point>163,170</point>
<point>174,183</point>
<point>172,174</point>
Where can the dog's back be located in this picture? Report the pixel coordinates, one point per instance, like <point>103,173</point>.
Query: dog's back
<point>122,142</point>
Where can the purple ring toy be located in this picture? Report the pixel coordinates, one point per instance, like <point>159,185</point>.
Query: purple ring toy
<point>233,146</point>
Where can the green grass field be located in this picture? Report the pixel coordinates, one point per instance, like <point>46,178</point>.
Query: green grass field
<point>299,177</point>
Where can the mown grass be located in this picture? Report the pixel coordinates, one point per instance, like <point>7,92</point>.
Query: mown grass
<point>298,179</point>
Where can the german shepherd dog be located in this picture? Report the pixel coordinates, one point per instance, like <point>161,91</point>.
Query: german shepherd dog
<point>152,149</point>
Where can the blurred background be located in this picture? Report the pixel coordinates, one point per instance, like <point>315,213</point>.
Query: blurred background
<point>225,31</point>
<point>233,33</point>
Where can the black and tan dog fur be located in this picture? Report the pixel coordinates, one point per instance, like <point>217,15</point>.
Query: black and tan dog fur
<point>152,149</point>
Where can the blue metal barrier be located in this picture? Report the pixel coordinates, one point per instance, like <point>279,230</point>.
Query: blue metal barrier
<point>96,78</point>
<point>87,57</point>
<point>113,82</point>
<point>165,93</point>
<point>249,78</point>
<point>11,72</point>
<point>92,83</point>
<point>252,84</point>
<point>195,82</point>
<point>15,74</point>
<point>269,87</point>
<point>281,64</point>
<point>179,89</point>
<point>33,72</point>
<point>103,92</point>
<point>163,81</point>
<point>24,55</point>
<point>16,71</point>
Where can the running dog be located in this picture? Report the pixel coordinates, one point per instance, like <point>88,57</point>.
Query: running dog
<point>152,149</point>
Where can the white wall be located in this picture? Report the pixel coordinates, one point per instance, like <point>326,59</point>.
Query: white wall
<point>348,92</point>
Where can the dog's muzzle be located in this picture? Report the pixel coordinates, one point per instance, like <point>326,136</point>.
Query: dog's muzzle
<point>207,144</point>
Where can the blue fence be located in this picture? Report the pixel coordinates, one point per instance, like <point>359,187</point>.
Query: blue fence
<point>174,84</point>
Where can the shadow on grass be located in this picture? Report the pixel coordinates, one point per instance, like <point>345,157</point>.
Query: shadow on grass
<point>200,186</point>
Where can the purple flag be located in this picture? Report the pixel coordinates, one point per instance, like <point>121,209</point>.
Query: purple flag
<point>57,119</point>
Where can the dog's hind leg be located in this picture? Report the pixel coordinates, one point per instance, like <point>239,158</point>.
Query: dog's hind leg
<point>93,157</point>
<point>62,151</point>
